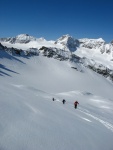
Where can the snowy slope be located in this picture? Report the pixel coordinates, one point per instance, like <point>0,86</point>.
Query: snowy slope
<point>29,119</point>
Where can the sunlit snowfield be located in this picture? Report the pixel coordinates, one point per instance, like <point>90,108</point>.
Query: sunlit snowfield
<point>30,120</point>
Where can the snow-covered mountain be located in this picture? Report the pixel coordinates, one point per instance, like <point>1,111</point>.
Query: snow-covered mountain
<point>92,43</point>
<point>29,119</point>
<point>22,38</point>
<point>25,41</point>
<point>97,45</point>
<point>93,50</point>
<point>68,42</point>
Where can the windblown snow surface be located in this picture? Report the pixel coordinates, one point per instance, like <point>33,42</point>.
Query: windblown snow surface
<point>30,120</point>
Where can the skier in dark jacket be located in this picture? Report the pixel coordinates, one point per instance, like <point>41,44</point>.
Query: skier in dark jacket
<point>75,104</point>
<point>63,101</point>
<point>53,99</point>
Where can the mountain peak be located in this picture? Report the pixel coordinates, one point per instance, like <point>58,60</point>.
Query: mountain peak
<point>23,35</point>
<point>68,42</point>
<point>100,39</point>
<point>64,37</point>
<point>22,38</point>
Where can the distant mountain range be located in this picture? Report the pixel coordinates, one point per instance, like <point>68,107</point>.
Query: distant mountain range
<point>95,54</point>
<point>65,42</point>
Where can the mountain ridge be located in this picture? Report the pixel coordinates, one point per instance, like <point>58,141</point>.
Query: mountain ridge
<point>65,42</point>
<point>63,36</point>
<point>62,55</point>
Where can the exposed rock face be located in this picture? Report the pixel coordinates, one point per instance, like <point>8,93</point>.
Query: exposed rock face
<point>20,52</point>
<point>106,72</point>
<point>97,67</point>
<point>54,52</point>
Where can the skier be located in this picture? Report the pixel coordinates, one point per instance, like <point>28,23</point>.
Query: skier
<point>75,104</point>
<point>53,99</point>
<point>63,101</point>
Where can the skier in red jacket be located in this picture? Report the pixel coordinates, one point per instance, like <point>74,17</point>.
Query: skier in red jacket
<point>75,104</point>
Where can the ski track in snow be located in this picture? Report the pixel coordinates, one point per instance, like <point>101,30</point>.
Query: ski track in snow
<point>86,112</point>
<point>105,123</point>
<point>32,108</point>
<point>86,119</point>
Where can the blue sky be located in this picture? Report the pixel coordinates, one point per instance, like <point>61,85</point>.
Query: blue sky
<point>53,18</point>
